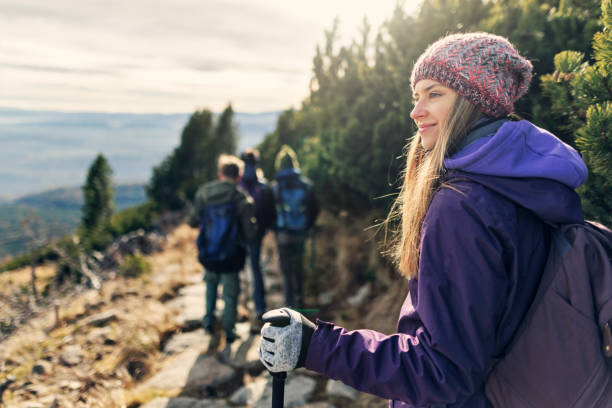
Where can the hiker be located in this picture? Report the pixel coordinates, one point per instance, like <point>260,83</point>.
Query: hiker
<point>224,215</point>
<point>296,212</point>
<point>265,215</point>
<point>479,188</point>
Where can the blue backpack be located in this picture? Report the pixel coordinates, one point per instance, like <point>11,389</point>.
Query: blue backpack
<point>218,238</point>
<point>291,205</point>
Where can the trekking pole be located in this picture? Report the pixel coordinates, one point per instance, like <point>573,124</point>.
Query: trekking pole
<point>278,319</point>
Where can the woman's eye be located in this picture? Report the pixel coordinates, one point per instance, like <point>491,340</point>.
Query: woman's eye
<point>434,94</point>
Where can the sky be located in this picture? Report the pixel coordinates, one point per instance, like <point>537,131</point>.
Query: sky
<point>169,56</point>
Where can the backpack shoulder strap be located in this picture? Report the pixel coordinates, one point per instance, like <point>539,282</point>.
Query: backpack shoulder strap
<point>559,247</point>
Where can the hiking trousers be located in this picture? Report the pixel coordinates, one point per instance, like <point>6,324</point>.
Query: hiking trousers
<point>291,258</point>
<point>231,289</point>
<point>259,291</point>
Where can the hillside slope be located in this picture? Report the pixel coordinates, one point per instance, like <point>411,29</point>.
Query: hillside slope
<point>59,211</point>
<point>130,356</point>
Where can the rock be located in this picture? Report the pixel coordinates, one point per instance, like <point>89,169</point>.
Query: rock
<point>190,305</point>
<point>297,391</point>
<point>244,351</point>
<point>251,393</point>
<point>100,335</point>
<point>183,402</point>
<point>191,370</point>
<point>320,404</point>
<point>37,389</point>
<point>94,305</point>
<point>258,394</point>
<point>71,356</point>
<point>42,367</point>
<point>361,295</point>
<point>50,401</point>
<point>196,290</point>
<point>32,404</point>
<point>101,319</point>
<point>183,341</point>
<point>71,385</point>
<point>133,243</point>
<point>338,389</point>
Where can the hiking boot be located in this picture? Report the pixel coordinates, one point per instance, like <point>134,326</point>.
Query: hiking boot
<point>209,328</point>
<point>226,354</point>
<point>230,338</point>
<point>212,342</point>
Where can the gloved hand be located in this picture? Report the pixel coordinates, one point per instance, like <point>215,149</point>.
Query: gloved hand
<point>284,345</point>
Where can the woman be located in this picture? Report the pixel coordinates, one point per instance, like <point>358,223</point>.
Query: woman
<point>478,190</point>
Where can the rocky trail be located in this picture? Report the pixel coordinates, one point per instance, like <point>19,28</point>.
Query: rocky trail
<point>138,343</point>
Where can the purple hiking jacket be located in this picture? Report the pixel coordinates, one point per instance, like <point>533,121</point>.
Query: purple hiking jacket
<point>482,255</point>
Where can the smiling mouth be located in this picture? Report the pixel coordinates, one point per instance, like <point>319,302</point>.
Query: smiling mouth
<point>425,128</point>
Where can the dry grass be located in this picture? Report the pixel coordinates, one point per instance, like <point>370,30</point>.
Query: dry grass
<point>21,278</point>
<point>106,370</point>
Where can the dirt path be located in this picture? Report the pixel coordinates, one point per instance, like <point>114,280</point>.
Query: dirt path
<point>138,342</point>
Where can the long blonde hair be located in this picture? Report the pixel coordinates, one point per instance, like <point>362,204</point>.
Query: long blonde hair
<point>421,181</point>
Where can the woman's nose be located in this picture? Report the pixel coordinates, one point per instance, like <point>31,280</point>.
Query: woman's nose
<point>418,111</point>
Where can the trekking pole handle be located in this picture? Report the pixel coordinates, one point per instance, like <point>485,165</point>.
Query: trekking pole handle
<point>279,319</point>
<point>276,318</point>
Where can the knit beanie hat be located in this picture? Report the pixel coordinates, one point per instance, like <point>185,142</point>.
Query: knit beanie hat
<point>484,68</point>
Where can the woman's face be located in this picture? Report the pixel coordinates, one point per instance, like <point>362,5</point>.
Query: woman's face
<point>432,104</point>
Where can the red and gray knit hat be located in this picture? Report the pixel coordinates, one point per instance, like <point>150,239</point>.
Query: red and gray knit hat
<point>484,68</point>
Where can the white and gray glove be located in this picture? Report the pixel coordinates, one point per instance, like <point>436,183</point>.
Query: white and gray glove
<point>284,339</point>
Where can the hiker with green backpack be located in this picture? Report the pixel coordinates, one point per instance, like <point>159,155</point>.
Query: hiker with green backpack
<point>510,290</point>
<point>296,212</point>
<point>224,215</point>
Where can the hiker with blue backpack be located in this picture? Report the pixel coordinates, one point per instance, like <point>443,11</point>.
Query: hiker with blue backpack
<point>265,215</point>
<point>224,215</point>
<point>296,212</point>
<point>510,290</point>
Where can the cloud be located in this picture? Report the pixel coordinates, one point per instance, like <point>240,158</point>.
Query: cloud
<point>164,55</point>
<point>62,70</point>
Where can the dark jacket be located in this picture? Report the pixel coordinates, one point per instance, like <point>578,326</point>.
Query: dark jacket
<point>220,192</point>
<point>263,199</point>
<point>483,248</point>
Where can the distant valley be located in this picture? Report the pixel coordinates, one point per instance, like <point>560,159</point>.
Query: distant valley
<point>58,210</point>
<point>44,158</point>
<point>44,150</point>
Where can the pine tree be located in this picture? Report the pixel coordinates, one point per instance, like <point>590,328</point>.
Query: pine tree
<point>175,181</point>
<point>226,135</point>
<point>581,96</point>
<point>98,195</point>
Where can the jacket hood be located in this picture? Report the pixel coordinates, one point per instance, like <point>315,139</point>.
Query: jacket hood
<point>526,164</point>
<point>285,173</point>
<point>220,191</point>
